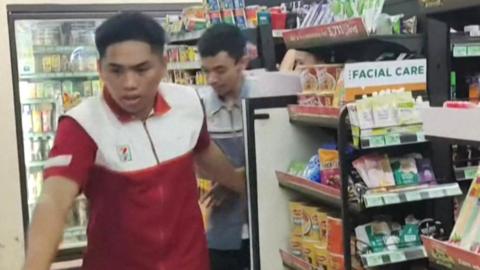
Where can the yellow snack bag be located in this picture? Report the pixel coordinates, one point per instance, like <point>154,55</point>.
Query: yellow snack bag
<point>322,258</point>
<point>297,218</point>
<point>296,246</point>
<point>309,250</point>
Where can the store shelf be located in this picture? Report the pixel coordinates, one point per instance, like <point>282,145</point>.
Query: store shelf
<point>293,262</point>
<point>38,101</point>
<point>466,173</point>
<point>458,132</point>
<point>449,7</point>
<point>33,164</point>
<point>374,142</point>
<point>394,256</point>
<point>464,46</point>
<point>184,66</point>
<point>345,33</point>
<point>71,264</point>
<point>317,116</point>
<point>314,190</point>
<point>72,245</point>
<point>411,195</point>
<point>185,36</point>
<point>444,255</point>
<point>60,75</point>
<point>42,135</point>
<point>61,49</point>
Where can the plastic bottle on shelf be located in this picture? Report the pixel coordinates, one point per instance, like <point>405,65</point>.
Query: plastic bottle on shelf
<point>27,118</point>
<point>47,110</point>
<point>36,119</point>
<point>36,149</point>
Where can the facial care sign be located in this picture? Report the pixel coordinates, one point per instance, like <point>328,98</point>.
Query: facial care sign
<point>371,74</point>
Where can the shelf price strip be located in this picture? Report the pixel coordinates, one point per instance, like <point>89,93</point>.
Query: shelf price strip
<point>374,200</point>
<point>389,257</point>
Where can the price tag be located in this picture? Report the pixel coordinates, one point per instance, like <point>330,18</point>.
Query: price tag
<point>396,257</point>
<point>392,139</point>
<point>453,191</point>
<point>392,199</point>
<point>413,196</point>
<point>437,193</point>
<point>473,50</point>
<point>372,201</point>
<point>459,51</point>
<point>421,137</point>
<point>471,173</point>
<point>374,260</point>
<point>376,141</point>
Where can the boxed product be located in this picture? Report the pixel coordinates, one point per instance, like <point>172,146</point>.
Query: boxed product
<point>319,84</point>
<point>334,235</point>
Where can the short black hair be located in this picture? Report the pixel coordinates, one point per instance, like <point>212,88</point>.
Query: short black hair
<point>129,26</point>
<point>223,37</point>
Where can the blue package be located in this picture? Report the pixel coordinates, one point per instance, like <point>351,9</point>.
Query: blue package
<point>213,5</point>
<point>312,171</point>
<point>239,3</point>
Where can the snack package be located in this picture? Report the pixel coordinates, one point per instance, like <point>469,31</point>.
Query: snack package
<point>296,246</point>
<point>322,258</point>
<point>297,218</point>
<point>334,235</point>
<point>337,262</point>
<point>330,167</point>
<point>309,251</point>
<point>297,168</point>
<point>312,171</point>
<point>317,221</point>
<point>405,171</point>
<point>213,5</point>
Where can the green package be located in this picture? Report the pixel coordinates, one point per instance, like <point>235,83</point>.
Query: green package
<point>405,171</point>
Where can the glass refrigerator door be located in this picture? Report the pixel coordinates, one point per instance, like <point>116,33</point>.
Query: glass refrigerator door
<point>56,70</point>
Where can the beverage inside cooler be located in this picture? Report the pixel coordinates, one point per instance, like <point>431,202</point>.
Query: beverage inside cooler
<point>56,71</point>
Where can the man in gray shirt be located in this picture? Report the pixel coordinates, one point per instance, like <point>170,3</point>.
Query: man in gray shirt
<point>223,51</point>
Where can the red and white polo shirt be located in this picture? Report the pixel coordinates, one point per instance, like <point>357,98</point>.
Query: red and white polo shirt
<point>139,179</point>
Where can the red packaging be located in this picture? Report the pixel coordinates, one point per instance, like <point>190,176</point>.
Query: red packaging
<point>334,235</point>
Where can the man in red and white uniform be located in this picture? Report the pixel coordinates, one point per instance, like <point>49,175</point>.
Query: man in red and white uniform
<point>131,152</point>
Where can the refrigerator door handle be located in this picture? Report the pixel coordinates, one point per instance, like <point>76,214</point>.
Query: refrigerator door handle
<point>261,116</point>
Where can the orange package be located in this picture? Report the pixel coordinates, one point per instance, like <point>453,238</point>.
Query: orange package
<point>334,235</point>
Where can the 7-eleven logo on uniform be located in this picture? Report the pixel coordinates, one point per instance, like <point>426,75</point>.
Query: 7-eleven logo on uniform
<point>124,153</point>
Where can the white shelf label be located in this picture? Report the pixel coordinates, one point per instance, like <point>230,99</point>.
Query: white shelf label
<point>374,260</point>
<point>453,191</point>
<point>398,257</point>
<point>391,199</point>
<point>413,196</point>
<point>372,201</point>
<point>459,51</point>
<point>437,193</point>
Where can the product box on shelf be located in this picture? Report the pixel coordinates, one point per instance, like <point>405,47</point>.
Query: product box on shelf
<point>320,85</point>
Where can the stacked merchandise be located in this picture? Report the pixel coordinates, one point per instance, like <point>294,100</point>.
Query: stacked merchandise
<point>381,174</point>
<point>322,86</point>
<point>227,11</point>
<point>316,236</point>
<point>199,78</point>
<point>383,234</point>
<point>322,168</point>
<point>184,55</point>
<point>327,12</point>
<point>388,118</point>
